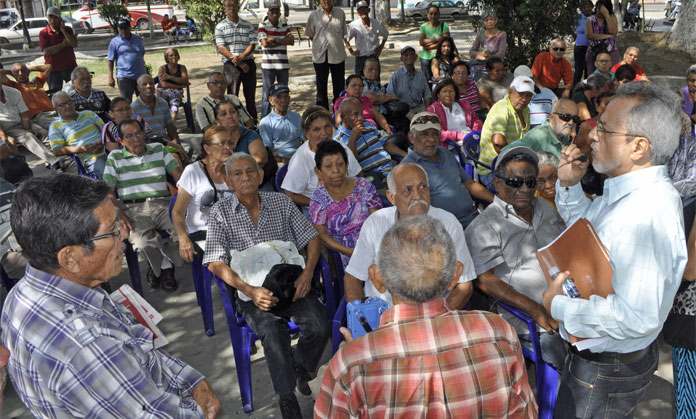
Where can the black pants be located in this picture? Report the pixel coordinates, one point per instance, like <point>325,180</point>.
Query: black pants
<point>580,67</point>
<point>235,77</point>
<point>338,75</point>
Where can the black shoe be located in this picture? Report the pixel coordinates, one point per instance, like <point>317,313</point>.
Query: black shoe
<point>152,280</point>
<point>169,283</point>
<point>303,379</point>
<point>289,408</point>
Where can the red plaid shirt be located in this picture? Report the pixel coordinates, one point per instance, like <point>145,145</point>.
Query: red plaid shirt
<point>425,361</point>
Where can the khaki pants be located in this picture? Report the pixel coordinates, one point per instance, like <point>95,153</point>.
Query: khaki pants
<point>29,140</point>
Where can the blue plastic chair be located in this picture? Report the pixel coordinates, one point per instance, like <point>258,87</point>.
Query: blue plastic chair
<point>202,278</point>
<point>338,320</point>
<point>546,376</point>
<point>280,176</point>
<point>333,285</point>
<point>81,168</point>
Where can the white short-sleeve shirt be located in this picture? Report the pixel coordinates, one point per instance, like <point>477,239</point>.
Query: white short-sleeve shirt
<point>376,226</point>
<point>194,181</point>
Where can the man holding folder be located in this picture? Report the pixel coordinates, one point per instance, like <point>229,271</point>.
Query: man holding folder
<point>639,221</point>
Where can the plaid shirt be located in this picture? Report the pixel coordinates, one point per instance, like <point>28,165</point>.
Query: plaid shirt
<point>76,353</point>
<point>427,361</point>
<point>230,226</point>
<point>97,102</point>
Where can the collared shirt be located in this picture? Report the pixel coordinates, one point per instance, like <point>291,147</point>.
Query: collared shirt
<point>12,107</point>
<point>77,353</point>
<point>137,177</point>
<point>446,178</point>
<point>500,240</point>
<point>35,97</point>
<point>366,40</point>
<point>235,36</point>
<point>412,89</point>
<point>611,73</point>
<point>159,119</point>
<point>283,134</point>
<point>371,153</point>
<point>639,220</point>
<point>502,119</point>
<point>97,102</point>
<point>541,138</point>
<point>205,110</point>
<point>327,35</point>
<point>129,55</point>
<point>86,129</point>
<point>63,60</point>
<point>427,361</point>
<point>230,226</point>
<point>540,106</point>
<point>274,58</point>
<point>376,226</point>
<point>550,72</point>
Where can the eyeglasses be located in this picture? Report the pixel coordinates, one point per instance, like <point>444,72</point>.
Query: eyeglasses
<point>558,48</point>
<point>425,119</point>
<point>230,144</point>
<point>606,131</point>
<point>566,117</point>
<point>603,61</point>
<point>517,182</point>
<point>542,180</point>
<point>115,233</point>
<point>134,135</point>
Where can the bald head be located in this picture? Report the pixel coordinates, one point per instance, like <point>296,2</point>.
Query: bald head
<point>348,103</point>
<point>20,72</point>
<point>565,106</point>
<point>351,112</point>
<point>146,86</point>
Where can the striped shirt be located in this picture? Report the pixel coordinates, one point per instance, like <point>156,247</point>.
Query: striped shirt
<point>236,37</point>
<point>138,177</point>
<point>540,106</point>
<point>205,110</point>
<point>86,129</point>
<point>427,361</point>
<point>76,354</point>
<point>158,120</point>
<point>371,153</point>
<point>471,95</point>
<point>501,119</point>
<point>275,58</point>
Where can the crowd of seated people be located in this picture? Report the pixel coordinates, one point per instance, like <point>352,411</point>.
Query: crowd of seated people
<point>380,180</point>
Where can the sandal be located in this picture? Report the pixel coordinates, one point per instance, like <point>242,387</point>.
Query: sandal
<point>152,280</point>
<point>169,283</point>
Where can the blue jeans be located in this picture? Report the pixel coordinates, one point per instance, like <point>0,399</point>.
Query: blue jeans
<point>96,166</point>
<point>425,68</point>
<point>604,389</point>
<point>271,328</point>
<point>270,77</point>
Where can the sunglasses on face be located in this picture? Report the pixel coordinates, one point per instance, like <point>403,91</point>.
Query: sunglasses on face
<point>566,117</point>
<point>517,182</point>
<point>425,119</point>
<point>558,48</point>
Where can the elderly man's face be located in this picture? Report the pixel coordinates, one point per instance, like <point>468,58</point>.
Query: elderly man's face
<point>124,31</point>
<point>352,114</point>
<point>133,138</point>
<point>561,121</point>
<point>146,87</point>
<point>603,62</point>
<point>631,56</point>
<point>519,100</point>
<point>425,142</point>
<point>557,50</point>
<point>519,197</point>
<point>408,58</point>
<point>243,177</point>
<point>20,73</point>
<point>412,195</point>
<point>217,86</point>
<point>611,148</point>
<point>83,82</point>
<point>65,107</point>
<point>280,102</point>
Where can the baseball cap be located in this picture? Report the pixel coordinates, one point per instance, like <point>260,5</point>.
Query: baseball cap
<point>511,152</point>
<point>523,70</point>
<point>406,48</point>
<point>53,11</point>
<point>425,120</point>
<point>124,22</point>
<point>522,84</point>
<point>274,4</point>
<point>362,3</point>
<point>278,88</point>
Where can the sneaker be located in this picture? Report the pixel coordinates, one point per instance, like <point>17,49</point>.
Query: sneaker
<point>289,408</point>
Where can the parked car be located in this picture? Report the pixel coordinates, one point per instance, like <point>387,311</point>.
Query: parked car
<point>447,9</point>
<point>15,32</point>
<point>8,17</point>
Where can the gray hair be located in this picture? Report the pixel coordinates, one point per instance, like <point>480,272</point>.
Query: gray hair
<point>630,48</point>
<point>240,155</point>
<point>595,81</point>
<point>691,70</point>
<point>57,95</point>
<point>656,116</point>
<point>77,70</point>
<point>213,74</point>
<point>391,177</point>
<point>561,102</point>
<point>142,77</point>
<point>427,246</point>
<point>557,40</point>
<point>547,159</point>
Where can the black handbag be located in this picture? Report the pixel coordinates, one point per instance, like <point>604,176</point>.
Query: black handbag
<point>679,329</point>
<point>281,282</point>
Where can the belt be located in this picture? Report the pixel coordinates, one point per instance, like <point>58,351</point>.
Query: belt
<point>611,357</point>
<point>141,200</point>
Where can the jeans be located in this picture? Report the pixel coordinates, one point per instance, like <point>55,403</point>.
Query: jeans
<point>127,87</point>
<point>425,68</point>
<point>338,75</point>
<point>360,63</point>
<point>580,68</point>
<point>56,79</point>
<point>181,32</point>
<point>604,389</point>
<point>271,328</point>
<point>236,77</point>
<point>270,77</point>
<point>96,166</point>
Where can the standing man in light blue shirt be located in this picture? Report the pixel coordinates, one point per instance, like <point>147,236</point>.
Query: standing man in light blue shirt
<point>281,130</point>
<point>639,220</point>
<point>128,51</point>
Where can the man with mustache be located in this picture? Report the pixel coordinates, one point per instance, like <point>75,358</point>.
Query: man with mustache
<point>410,194</point>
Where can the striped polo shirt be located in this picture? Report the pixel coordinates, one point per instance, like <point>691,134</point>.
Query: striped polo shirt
<point>157,120</point>
<point>86,129</point>
<point>236,37</point>
<point>371,153</point>
<point>141,177</point>
<point>501,119</point>
<point>275,58</point>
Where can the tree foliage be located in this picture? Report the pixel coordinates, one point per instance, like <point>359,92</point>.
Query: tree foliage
<point>206,13</point>
<point>112,13</point>
<point>530,25</point>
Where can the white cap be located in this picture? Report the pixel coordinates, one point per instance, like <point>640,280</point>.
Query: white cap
<point>522,84</point>
<point>523,70</point>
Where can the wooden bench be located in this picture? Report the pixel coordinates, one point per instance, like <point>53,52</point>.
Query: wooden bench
<point>299,29</point>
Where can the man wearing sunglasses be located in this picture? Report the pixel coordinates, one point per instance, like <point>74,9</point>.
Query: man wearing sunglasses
<point>557,132</point>
<point>550,68</point>
<point>503,241</point>
<point>639,220</point>
<point>74,351</point>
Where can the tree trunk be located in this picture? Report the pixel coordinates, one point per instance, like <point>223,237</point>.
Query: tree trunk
<point>683,34</point>
<point>382,11</point>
